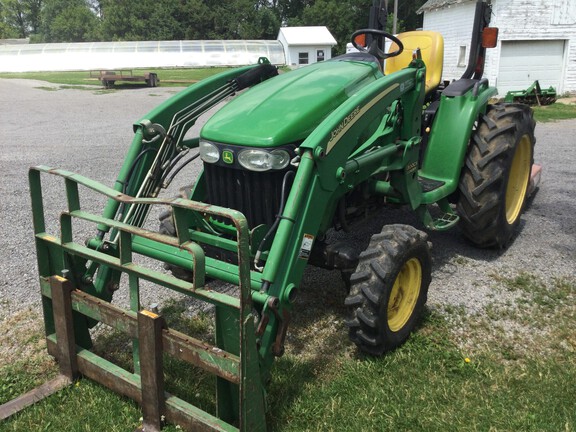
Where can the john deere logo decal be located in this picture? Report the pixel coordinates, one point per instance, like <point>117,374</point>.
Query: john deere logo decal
<point>228,156</point>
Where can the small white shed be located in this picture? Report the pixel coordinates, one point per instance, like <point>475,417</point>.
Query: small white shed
<point>536,41</point>
<point>306,45</point>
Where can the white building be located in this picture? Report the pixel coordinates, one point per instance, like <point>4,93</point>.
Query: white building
<point>537,41</point>
<point>143,54</point>
<point>306,45</point>
<point>295,46</point>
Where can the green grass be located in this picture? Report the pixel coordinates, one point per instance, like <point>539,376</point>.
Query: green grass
<point>428,386</point>
<point>493,379</point>
<point>187,76</point>
<point>556,111</point>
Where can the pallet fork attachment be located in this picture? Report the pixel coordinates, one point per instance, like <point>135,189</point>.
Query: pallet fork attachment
<point>233,359</point>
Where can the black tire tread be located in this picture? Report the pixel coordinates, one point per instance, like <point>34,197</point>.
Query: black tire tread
<point>483,181</point>
<point>374,273</point>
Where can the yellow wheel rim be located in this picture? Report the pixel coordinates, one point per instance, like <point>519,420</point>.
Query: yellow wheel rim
<point>404,294</point>
<point>518,179</point>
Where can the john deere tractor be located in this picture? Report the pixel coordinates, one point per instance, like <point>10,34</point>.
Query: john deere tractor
<point>291,157</point>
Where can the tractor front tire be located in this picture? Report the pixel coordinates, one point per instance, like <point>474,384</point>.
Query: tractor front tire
<point>389,289</point>
<point>494,182</point>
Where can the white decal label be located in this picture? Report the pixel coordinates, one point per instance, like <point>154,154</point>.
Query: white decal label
<point>306,247</point>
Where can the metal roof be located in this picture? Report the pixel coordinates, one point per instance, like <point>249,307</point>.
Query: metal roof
<point>312,35</point>
<point>439,4</point>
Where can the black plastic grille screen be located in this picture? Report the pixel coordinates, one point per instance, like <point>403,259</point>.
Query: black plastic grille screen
<point>255,194</point>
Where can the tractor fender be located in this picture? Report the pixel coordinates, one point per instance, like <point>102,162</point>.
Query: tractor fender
<point>460,105</point>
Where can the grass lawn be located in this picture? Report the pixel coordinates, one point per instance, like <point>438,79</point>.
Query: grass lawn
<point>514,371</point>
<point>556,111</point>
<point>181,76</point>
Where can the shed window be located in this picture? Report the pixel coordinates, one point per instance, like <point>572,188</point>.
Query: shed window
<point>319,55</point>
<point>462,56</point>
<point>303,58</point>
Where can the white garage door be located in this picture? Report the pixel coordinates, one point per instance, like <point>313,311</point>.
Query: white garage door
<point>523,62</point>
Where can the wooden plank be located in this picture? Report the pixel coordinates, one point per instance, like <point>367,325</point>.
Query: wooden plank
<point>64,322</point>
<point>39,393</point>
<point>150,327</point>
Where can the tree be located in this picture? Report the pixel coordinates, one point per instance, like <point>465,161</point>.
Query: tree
<point>241,19</point>
<point>341,17</point>
<point>407,13</point>
<point>246,19</point>
<point>143,19</point>
<point>6,30</point>
<point>33,10</point>
<point>68,21</point>
<point>20,18</point>
<point>83,20</point>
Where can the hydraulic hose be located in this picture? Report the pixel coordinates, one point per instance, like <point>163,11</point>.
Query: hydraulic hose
<point>274,227</point>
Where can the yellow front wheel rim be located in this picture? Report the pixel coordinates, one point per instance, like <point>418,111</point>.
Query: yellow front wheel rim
<point>404,294</point>
<point>518,179</point>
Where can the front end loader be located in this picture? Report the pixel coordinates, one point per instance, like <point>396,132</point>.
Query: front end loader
<point>290,158</point>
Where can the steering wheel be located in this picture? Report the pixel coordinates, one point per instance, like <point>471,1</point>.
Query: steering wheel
<point>373,48</point>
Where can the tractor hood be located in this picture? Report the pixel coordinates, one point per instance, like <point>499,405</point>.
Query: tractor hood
<point>287,108</point>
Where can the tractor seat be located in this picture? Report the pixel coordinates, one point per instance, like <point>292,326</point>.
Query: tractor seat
<point>431,46</point>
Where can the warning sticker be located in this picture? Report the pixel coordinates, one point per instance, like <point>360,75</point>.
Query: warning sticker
<point>306,247</point>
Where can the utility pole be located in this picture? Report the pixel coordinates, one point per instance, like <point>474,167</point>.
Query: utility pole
<point>395,17</point>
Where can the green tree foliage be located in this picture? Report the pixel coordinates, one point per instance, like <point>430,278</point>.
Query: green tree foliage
<point>19,18</point>
<point>68,21</point>
<point>141,20</point>
<point>6,31</point>
<point>407,13</point>
<point>341,17</point>
<point>83,20</point>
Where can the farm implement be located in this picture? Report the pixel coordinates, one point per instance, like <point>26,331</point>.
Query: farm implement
<point>533,95</point>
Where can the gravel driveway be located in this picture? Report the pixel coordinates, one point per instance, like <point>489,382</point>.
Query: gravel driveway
<point>89,131</point>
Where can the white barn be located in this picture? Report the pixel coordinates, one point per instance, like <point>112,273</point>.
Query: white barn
<point>536,41</point>
<point>306,45</point>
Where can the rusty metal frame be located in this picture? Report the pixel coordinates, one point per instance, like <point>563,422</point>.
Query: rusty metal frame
<point>236,365</point>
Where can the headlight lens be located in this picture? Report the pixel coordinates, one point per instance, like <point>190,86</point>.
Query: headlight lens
<point>209,152</point>
<point>281,159</point>
<point>260,160</point>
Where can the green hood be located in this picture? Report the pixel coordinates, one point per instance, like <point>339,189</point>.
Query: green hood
<point>287,108</point>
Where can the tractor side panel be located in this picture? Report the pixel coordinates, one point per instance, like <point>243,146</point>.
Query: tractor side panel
<point>449,137</point>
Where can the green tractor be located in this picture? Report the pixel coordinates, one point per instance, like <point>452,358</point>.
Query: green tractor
<point>291,157</point>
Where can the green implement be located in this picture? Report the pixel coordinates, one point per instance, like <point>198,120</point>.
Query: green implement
<point>533,95</point>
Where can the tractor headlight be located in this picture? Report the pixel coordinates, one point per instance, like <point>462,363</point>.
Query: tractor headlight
<point>262,160</point>
<point>209,152</point>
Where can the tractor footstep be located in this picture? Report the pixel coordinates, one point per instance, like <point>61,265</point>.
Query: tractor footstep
<point>445,221</point>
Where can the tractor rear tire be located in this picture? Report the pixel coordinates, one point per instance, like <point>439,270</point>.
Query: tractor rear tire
<point>389,289</point>
<point>494,182</point>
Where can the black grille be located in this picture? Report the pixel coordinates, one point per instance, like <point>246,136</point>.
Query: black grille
<point>255,194</point>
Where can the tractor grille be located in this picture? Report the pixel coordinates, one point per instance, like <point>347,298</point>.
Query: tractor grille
<point>255,194</point>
